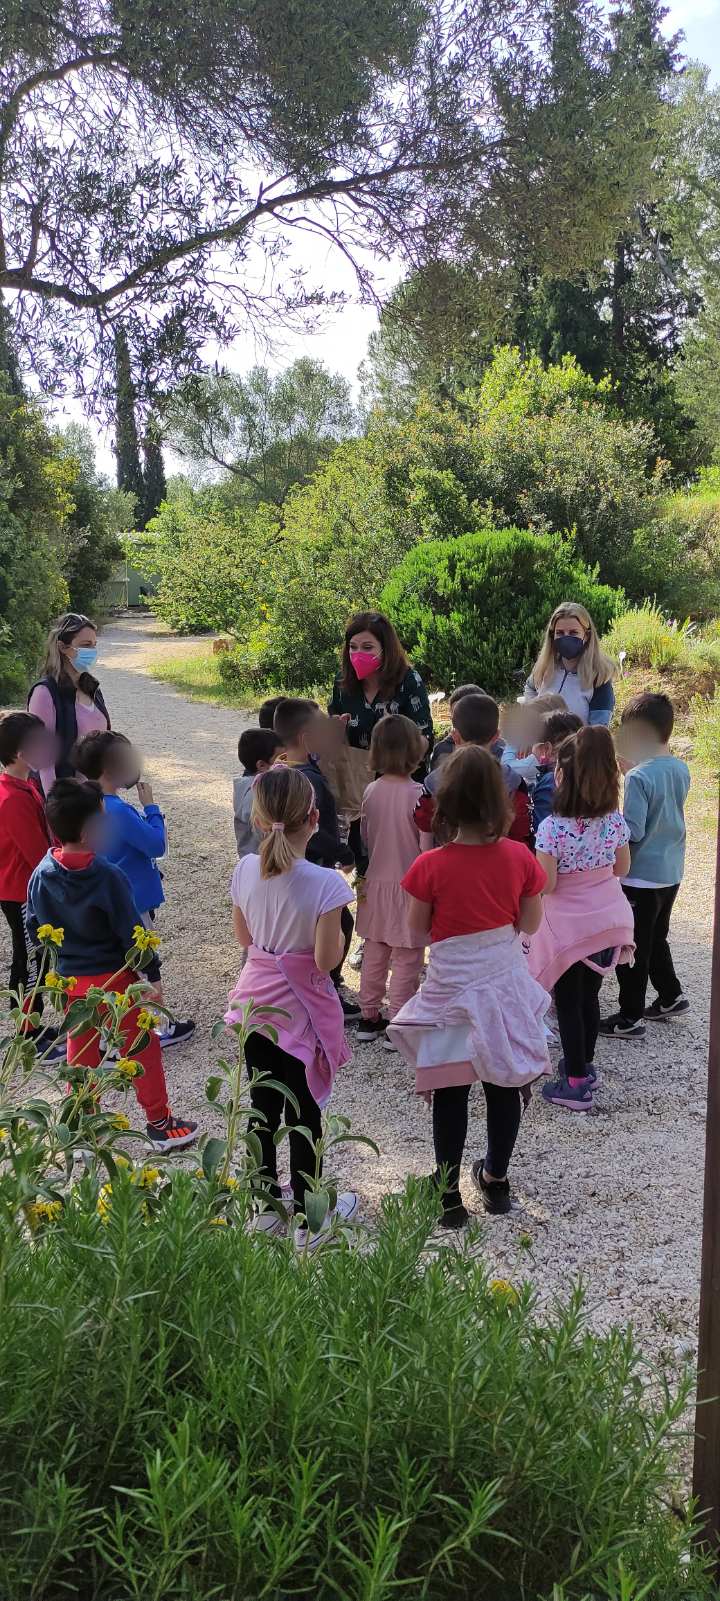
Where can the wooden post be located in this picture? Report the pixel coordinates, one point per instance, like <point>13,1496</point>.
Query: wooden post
<point>706,1470</point>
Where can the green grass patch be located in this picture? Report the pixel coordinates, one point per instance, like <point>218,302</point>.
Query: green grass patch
<point>197,675</point>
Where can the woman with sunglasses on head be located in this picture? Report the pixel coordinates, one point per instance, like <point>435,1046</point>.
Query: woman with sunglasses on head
<point>68,698</point>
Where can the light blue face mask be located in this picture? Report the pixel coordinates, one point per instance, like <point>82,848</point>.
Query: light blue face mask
<point>85,658</point>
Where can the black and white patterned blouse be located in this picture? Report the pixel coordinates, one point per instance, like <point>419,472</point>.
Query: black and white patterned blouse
<point>410,699</point>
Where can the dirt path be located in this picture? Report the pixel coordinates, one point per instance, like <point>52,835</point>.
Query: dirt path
<point>614,1196</point>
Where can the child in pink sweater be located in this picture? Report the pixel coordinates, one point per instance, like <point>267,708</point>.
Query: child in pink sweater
<point>392,841</point>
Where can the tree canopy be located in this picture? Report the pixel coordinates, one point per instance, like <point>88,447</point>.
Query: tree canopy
<point>267,431</point>
<point>156,161</point>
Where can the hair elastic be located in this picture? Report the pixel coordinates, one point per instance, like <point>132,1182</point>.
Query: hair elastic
<point>277,828</point>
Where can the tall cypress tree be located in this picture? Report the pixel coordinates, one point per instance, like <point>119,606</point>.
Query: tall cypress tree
<point>127,449</point>
<point>153,471</point>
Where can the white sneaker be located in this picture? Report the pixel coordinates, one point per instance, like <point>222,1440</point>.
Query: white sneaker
<point>355,961</point>
<point>266,1223</point>
<point>387,1043</point>
<point>347,1206</point>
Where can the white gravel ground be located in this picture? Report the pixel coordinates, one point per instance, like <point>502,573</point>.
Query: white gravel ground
<point>615,1196</point>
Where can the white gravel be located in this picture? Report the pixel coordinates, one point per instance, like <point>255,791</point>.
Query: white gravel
<point>615,1196</point>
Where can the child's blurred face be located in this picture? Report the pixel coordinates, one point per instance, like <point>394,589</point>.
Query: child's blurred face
<point>39,749</point>
<point>127,766</point>
<point>318,735</point>
<point>636,741</point>
<point>518,726</point>
<point>95,833</point>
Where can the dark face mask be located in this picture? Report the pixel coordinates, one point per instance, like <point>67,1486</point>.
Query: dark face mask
<point>569,647</point>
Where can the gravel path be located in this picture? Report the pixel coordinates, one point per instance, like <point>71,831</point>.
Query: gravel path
<point>615,1196</point>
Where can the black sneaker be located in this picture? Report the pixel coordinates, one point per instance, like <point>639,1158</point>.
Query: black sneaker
<point>621,1028</point>
<point>352,1013</point>
<point>371,1028</point>
<point>177,1033</point>
<point>171,1133</point>
<point>657,1013</point>
<point>50,1044</point>
<point>453,1217</point>
<point>495,1196</point>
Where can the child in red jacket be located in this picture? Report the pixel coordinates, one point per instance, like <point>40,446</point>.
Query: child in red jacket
<point>25,747</point>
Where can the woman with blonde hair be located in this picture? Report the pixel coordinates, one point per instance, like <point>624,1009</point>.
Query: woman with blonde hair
<point>68,698</point>
<point>572,664</point>
<point>286,914</point>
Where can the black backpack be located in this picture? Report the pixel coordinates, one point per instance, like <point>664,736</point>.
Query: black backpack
<point>63,699</point>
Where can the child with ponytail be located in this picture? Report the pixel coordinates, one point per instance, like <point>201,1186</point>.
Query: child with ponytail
<point>587,925</point>
<point>286,914</point>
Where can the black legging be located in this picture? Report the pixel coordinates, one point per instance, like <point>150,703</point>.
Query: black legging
<point>577,1003</point>
<point>347,924</point>
<point>262,1056</point>
<point>358,849</point>
<point>25,956</point>
<point>450,1121</point>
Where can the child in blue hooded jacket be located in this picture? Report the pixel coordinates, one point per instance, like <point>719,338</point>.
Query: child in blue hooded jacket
<point>137,837</point>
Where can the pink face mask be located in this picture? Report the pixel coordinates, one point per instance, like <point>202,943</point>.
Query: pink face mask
<point>364,662</point>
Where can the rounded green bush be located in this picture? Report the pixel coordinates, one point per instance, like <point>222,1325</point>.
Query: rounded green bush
<point>476,607</point>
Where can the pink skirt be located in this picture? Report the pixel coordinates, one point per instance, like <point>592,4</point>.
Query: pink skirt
<point>478,1015</point>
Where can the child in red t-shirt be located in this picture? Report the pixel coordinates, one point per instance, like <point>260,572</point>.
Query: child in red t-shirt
<point>25,747</point>
<point>479,1014</point>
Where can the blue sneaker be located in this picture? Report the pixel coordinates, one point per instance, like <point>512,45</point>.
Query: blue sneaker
<point>576,1098</point>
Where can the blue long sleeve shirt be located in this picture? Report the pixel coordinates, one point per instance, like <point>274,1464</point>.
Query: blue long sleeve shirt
<point>135,839</point>
<point>653,808</point>
<point>94,906</point>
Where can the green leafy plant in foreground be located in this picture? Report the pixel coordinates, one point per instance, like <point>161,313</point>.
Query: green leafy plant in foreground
<point>190,1412</point>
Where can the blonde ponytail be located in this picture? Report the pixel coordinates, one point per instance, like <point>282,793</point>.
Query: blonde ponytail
<point>282,800</point>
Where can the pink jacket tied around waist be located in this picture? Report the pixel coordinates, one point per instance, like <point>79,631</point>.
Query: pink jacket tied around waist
<point>586,913</point>
<point>314,1030</point>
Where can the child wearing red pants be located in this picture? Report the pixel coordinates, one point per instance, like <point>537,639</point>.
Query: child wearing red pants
<point>79,891</point>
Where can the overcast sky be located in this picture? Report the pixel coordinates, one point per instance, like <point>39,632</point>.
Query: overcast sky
<point>342,342</point>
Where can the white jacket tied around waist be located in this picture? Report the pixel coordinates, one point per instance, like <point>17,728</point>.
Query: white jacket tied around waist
<point>478,1015</point>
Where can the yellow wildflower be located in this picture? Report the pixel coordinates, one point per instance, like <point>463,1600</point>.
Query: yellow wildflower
<point>122,1161</point>
<point>232,1184</point>
<point>144,940</point>
<point>147,1021</point>
<point>43,1212</point>
<point>3,1133</point>
<point>120,1121</point>
<point>103,1202</point>
<point>53,981</point>
<point>121,1000</point>
<point>70,984</point>
<point>219,1222</point>
<point>146,1177</point>
<point>128,1068</point>
<point>49,935</point>
<point>503,1291</point>
<point>199,1174</point>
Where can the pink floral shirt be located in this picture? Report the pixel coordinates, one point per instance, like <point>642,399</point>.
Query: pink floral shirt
<point>582,843</point>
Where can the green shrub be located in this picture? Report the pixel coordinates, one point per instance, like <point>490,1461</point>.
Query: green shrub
<point>647,639</point>
<point>476,607</point>
<point>676,557</point>
<point>705,715</point>
<point>188,1411</point>
<point>214,565</point>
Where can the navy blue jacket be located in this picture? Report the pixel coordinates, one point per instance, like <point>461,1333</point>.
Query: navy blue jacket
<point>324,847</point>
<point>95,907</point>
<point>543,796</point>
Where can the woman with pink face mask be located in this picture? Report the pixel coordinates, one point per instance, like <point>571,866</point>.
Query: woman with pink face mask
<point>375,678</point>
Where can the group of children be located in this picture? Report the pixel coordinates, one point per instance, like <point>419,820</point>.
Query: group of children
<point>510,864</point>
<point>503,856</point>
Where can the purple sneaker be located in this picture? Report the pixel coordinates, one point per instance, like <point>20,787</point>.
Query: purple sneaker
<point>577,1098</point>
<point>590,1073</point>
